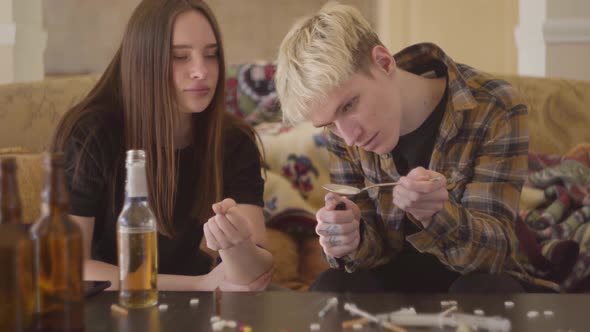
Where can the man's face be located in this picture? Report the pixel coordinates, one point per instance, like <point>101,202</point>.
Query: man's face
<point>365,111</point>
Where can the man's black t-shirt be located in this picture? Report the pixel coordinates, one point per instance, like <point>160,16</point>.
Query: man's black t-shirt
<point>424,272</point>
<point>96,145</point>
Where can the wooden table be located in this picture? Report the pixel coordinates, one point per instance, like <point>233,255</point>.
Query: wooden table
<point>293,311</point>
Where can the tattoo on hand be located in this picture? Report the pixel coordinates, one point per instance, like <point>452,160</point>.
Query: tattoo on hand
<point>333,241</point>
<point>332,230</point>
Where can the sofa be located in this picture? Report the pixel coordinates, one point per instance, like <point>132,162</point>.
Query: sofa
<point>296,162</point>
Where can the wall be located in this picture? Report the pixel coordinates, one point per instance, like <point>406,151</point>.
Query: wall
<point>477,32</point>
<point>22,41</point>
<point>567,37</point>
<point>84,34</point>
<point>6,42</point>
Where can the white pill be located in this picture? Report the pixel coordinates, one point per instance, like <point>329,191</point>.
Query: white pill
<point>215,319</point>
<point>231,324</point>
<point>478,312</point>
<point>218,325</point>
<point>194,302</point>
<point>548,313</point>
<point>357,326</point>
<point>532,314</point>
<point>163,307</point>
<point>508,304</point>
<point>314,327</point>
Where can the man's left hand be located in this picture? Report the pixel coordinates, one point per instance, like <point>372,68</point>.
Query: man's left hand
<point>421,196</point>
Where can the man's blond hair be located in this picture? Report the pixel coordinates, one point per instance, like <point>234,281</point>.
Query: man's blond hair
<point>318,54</point>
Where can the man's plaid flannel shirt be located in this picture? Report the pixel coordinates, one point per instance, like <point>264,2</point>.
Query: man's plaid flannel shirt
<point>481,148</point>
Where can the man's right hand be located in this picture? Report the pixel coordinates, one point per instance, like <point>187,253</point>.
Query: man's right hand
<point>338,229</point>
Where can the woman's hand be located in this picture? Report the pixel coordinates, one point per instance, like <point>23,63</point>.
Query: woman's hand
<point>216,278</point>
<point>227,228</point>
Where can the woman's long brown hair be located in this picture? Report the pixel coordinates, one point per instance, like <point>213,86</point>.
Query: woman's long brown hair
<point>137,86</point>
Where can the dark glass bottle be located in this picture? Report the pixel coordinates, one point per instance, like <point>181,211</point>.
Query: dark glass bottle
<point>58,256</point>
<point>16,283</point>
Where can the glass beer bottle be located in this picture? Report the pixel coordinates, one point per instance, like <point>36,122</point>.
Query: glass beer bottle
<point>16,283</point>
<point>58,255</point>
<point>137,239</point>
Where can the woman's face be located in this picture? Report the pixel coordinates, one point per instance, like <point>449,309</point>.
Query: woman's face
<point>195,61</point>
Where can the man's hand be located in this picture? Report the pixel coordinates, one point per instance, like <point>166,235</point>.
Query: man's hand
<point>420,195</point>
<point>338,229</point>
<point>227,228</point>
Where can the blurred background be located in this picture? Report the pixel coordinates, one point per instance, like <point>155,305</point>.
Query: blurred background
<point>551,38</point>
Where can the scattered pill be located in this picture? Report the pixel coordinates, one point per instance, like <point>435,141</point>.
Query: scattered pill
<point>194,302</point>
<point>478,312</point>
<point>532,314</point>
<point>218,325</point>
<point>508,304</point>
<point>117,309</point>
<point>245,328</point>
<point>163,307</point>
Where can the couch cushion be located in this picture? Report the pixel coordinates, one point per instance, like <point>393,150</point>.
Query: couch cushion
<point>559,112</point>
<point>30,111</point>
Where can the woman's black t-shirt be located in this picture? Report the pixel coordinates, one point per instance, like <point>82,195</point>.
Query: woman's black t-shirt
<point>95,145</point>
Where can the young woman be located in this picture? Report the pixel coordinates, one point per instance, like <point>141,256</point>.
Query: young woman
<point>163,92</point>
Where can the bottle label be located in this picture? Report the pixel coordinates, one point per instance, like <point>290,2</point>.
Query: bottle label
<point>136,181</point>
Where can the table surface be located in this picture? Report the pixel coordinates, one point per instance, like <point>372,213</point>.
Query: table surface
<point>294,311</point>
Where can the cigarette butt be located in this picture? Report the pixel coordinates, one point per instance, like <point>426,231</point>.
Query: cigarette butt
<point>118,310</point>
<point>347,324</point>
<point>392,327</point>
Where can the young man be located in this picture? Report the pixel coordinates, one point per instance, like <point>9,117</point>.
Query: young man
<point>454,137</point>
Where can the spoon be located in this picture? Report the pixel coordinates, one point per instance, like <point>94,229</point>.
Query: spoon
<point>345,190</point>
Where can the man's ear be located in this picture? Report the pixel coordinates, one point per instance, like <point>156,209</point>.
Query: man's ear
<point>384,61</point>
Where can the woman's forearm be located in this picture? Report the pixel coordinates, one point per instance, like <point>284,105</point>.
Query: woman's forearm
<point>244,263</point>
<point>97,270</point>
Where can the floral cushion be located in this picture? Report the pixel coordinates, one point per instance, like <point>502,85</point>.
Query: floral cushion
<point>250,92</point>
<point>297,164</point>
<point>296,157</point>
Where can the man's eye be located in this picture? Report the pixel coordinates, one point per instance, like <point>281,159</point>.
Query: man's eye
<point>347,107</point>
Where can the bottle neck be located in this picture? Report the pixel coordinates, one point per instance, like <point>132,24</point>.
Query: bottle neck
<point>136,185</point>
<point>10,203</point>
<point>55,195</point>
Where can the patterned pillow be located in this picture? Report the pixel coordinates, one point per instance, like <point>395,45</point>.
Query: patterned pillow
<point>250,92</point>
<point>297,166</point>
<point>299,155</point>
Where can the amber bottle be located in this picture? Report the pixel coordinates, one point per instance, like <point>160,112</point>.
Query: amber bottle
<point>58,256</point>
<point>16,284</point>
